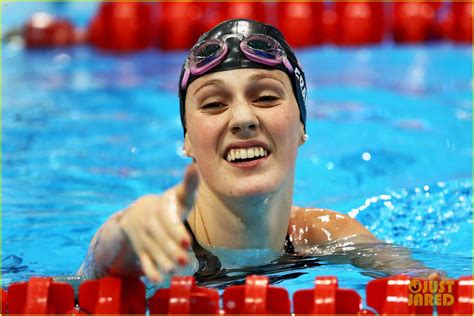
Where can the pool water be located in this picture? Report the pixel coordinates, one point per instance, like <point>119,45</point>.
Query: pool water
<point>86,133</point>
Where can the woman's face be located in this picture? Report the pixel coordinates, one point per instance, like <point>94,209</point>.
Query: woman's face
<point>243,113</point>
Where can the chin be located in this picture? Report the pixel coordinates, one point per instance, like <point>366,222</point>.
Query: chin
<point>257,188</point>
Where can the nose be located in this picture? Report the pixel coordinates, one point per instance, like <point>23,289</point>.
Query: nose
<point>244,122</point>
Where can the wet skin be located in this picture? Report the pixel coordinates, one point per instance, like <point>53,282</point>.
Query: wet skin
<point>242,108</point>
<point>230,204</point>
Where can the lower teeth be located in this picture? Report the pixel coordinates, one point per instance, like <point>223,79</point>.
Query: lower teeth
<point>246,159</point>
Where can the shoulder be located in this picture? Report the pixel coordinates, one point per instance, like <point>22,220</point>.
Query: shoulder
<point>302,216</point>
<point>318,226</point>
<point>311,212</point>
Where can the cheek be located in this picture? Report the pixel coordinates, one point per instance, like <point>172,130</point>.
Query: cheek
<point>284,125</point>
<point>284,128</point>
<point>204,133</point>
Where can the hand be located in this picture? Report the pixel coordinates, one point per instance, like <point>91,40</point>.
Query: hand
<point>437,276</point>
<point>434,276</point>
<point>154,227</point>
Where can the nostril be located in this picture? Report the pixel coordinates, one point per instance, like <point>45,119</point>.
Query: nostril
<point>244,126</point>
<point>253,127</point>
<point>235,129</point>
<point>238,129</point>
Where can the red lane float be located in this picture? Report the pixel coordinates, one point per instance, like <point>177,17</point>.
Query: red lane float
<point>256,297</point>
<point>301,22</point>
<point>212,15</point>
<point>329,23</point>
<point>359,23</point>
<point>133,26</point>
<point>112,295</point>
<point>327,298</point>
<point>415,22</point>
<point>463,20</point>
<point>122,27</point>
<point>463,293</point>
<point>391,296</point>
<point>4,301</point>
<point>41,296</point>
<point>457,24</point>
<point>44,30</point>
<point>217,12</point>
<point>396,295</point>
<point>179,24</point>
<point>245,10</point>
<point>184,297</point>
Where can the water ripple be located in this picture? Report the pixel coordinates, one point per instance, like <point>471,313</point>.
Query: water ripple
<point>442,211</point>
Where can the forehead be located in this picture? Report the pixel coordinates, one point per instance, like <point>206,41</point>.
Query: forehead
<point>238,77</point>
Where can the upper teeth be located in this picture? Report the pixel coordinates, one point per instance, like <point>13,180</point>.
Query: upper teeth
<point>243,153</point>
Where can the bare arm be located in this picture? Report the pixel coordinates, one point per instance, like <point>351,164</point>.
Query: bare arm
<point>146,238</point>
<point>315,226</point>
<point>110,252</point>
<point>333,232</point>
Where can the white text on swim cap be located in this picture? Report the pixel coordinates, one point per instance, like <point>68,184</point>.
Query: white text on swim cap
<point>301,81</point>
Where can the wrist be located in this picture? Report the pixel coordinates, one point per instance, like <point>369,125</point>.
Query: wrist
<point>109,243</point>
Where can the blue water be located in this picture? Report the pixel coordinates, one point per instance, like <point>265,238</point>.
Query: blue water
<point>85,133</point>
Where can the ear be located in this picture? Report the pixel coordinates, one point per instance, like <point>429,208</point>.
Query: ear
<point>303,136</point>
<point>187,148</point>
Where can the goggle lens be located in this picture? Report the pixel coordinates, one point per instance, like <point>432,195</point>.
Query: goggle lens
<point>259,48</point>
<point>263,46</point>
<point>207,50</point>
<point>206,53</point>
<point>259,44</point>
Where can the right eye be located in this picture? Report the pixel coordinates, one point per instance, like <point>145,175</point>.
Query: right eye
<point>212,105</point>
<point>266,99</point>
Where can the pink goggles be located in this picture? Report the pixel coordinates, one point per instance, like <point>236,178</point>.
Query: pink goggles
<point>259,48</point>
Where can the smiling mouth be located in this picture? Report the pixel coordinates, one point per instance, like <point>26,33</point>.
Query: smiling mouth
<point>240,155</point>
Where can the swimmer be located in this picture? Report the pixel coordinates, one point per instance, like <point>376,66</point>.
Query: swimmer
<point>242,103</point>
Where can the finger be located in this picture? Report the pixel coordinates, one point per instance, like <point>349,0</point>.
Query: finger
<point>172,223</point>
<point>149,268</point>
<point>435,276</point>
<point>157,255</point>
<point>169,238</point>
<point>171,219</point>
<point>186,190</point>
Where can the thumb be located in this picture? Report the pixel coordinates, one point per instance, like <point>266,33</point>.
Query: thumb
<point>185,192</point>
<point>435,276</point>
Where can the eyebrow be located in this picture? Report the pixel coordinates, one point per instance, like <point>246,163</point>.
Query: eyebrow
<point>213,82</point>
<point>261,76</point>
<point>256,77</point>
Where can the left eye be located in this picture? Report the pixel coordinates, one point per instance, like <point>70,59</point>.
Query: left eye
<point>267,98</point>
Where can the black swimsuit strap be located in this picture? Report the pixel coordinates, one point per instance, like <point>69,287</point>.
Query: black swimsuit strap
<point>209,264</point>
<point>210,272</point>
<point>289,248</point>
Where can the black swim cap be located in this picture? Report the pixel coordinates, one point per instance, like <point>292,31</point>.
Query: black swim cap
<point>235,59</point>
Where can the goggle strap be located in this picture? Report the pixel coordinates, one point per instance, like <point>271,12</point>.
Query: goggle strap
<point>184,82</point>
<point>287,64</point>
